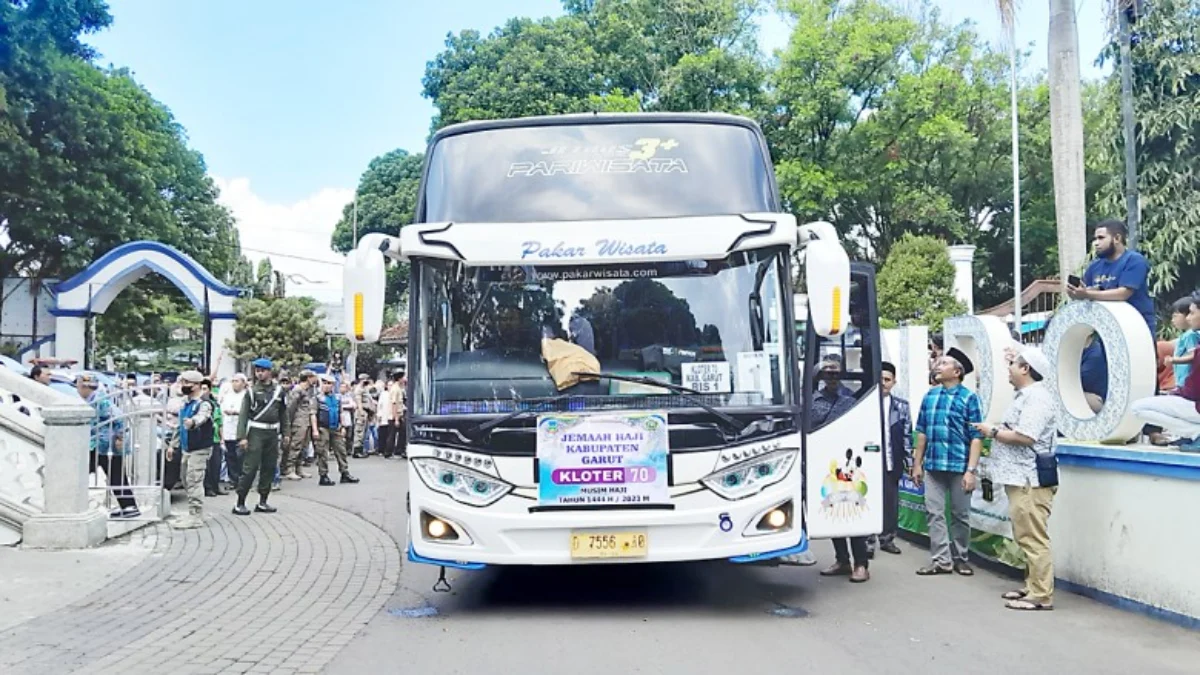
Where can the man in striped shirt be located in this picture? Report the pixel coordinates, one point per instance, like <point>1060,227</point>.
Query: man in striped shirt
<point>946,460</point>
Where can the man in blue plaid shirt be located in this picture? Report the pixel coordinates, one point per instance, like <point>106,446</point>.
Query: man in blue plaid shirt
<point>946,460</point>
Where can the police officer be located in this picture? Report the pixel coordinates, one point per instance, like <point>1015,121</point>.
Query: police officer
<point>330,433</point>
<point>258,436</point>
<point>302,421</point>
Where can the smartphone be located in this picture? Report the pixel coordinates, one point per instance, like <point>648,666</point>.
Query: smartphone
<point>989,493</point>
<point>1075,281</point>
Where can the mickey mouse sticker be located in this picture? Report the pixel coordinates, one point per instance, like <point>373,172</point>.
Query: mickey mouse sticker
<point>844,490</point>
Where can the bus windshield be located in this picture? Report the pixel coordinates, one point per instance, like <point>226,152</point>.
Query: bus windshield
<point>597,172</point>
<point>714,326</point>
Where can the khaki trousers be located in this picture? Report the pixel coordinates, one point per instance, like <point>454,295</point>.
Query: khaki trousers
<point>1029,511</point>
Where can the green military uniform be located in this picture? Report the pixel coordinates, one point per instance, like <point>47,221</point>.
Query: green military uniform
<point>300,412</point>
<point>258,425</point>
<point>364,410</point>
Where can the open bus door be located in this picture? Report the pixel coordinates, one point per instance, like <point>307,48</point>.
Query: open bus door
<point>843,431</point>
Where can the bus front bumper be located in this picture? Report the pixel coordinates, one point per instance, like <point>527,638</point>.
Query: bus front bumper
<point>701,526</point>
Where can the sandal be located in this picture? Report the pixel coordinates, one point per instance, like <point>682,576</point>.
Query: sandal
<point>1015,595</point>
<point>933,570</point>
<point>964,569</point>
<point>1027,606</point>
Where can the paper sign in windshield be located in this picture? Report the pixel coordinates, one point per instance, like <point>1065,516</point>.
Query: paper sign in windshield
<point>754,373</point>
<point>708,378</point>
<point>602,460</point>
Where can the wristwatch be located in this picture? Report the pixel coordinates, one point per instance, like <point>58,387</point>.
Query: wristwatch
<point>995,432</point>
<point>973,469</point>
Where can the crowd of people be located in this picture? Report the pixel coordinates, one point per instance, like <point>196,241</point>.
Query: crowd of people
<point>949,436</point>
<point>217,436</point>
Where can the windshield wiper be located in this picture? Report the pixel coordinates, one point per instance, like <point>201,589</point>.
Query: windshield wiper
<point>483,429</point>
<point>684,393</point>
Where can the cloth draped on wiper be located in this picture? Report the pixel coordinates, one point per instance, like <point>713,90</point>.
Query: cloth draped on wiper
<point>566,361</point>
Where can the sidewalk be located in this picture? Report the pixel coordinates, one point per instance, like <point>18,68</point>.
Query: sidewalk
<point>276,593</point>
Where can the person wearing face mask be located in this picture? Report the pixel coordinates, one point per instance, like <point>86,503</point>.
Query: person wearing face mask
<point>195,442</point>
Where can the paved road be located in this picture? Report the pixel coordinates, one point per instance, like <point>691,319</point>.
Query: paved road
<point>269,593</point>
<point>709,618</point>
<point>317,589</point>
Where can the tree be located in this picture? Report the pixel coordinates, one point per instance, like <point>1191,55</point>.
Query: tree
<point>916,283</point>
<point>609,56</point>
<point>89,161</point>
<point>1066,137</point>
<point>264,282</point>
<point>386,201</point>
<point>888,123</point>
<point>285,330</point>
<point>1166,87</point>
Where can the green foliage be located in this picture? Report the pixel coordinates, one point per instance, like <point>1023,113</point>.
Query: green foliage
<point>916,283</point>
<point>286,330</point>
<point>387,201</point>
<point>614,56</point>
<point>264,282</point>
<point>90,161</point>
<point>1166,89</point>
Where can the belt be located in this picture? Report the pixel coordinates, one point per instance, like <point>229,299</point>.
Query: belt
<point>264,425</point>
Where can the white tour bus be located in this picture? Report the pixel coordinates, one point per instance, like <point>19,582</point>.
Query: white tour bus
<point>603,363</point>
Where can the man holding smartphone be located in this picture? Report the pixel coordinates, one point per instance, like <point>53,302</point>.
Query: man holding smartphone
<point>1117,274</point>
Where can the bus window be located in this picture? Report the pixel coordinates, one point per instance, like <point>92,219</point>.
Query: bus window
<point>842,370</point>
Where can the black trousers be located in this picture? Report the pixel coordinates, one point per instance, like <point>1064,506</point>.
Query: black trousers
<point>212,471</point>
<point>857,547</point>
<point>891,506</point>
<point>233,462</point>
<point>114,468</point>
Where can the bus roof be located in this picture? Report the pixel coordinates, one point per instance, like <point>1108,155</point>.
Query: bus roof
<point>596,118</point>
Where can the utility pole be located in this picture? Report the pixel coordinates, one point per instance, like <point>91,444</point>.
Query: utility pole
<point>1126,16</point>
<point>352,367</point>
<point>1016,177</point>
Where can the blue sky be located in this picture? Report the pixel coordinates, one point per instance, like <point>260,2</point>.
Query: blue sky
<point>289,100</point>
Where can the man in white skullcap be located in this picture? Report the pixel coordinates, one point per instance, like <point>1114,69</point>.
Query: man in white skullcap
<point>1028,430</point>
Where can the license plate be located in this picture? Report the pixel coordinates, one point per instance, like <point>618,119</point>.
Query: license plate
<point>609,544</point>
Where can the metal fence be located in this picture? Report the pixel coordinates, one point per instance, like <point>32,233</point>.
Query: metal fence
<point>128,452</point>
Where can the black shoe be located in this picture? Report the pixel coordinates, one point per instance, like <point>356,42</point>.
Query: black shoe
<point>264,507</point>
<point>326,480</point>
<point>241,510</point>
<point>347,478</point>
<point>890,547</point>
<point>209,493</point>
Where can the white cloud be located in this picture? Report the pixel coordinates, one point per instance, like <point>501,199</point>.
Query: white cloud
<point>295,236</point>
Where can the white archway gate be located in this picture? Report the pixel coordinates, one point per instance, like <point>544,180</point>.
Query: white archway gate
<point>90,292</point>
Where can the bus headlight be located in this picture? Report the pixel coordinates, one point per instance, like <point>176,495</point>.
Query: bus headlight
<point>460,483</point>
<point>751,476</point>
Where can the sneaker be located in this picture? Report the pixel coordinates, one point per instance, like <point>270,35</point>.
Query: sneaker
<point>276,487</point>
<point>131,512</point>
<point>241,510</point>
<point>264,507</point>
<point>305,474</point>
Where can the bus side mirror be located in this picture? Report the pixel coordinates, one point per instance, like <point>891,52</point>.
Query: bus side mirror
<point>364,276</point>
<point>827,276</point>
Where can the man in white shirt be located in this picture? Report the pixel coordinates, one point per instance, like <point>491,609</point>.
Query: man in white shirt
<point>1028,430</point>
<point>231,408</point>
<point>897,451</point>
